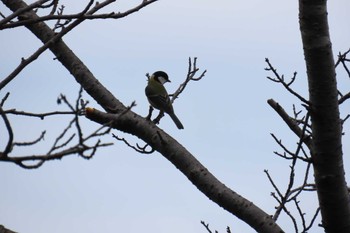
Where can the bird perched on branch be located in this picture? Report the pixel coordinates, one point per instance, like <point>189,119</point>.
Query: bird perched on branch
<point>158,96</point>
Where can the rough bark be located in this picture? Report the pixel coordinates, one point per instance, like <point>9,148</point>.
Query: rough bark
<point>5,230</point>
<point>324,110</point>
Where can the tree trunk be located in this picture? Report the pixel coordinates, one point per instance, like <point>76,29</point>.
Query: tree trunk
<point>324,111</point>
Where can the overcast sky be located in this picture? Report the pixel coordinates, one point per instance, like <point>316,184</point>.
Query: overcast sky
<point>226,118</point>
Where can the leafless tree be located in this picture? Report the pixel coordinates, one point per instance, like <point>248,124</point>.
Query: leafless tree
<point>318,126</point>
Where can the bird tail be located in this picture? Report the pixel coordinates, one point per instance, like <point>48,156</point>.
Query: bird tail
<point>176,121</point>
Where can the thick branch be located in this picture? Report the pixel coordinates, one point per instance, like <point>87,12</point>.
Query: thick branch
<point>132,123</point>
<point>189,166</point>
<point>292,124</point>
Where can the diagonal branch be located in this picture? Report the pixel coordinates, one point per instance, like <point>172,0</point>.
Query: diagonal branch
<point>134,124</point>
<point>191,73</point>
<point>280,79</point>
<point>21,11</point>
<point>292,124</point>
<point>42,49</point>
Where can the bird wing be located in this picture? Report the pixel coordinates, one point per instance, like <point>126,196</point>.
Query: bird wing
<point>159,98</point>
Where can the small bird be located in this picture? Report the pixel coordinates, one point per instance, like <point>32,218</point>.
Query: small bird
<point>158,96</point>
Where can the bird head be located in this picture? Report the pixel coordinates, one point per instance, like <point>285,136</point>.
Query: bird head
<point>160,76</point>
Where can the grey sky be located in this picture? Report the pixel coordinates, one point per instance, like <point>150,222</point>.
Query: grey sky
<point>227,120</point>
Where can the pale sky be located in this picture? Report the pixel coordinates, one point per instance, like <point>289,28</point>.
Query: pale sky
<point>227,120</point>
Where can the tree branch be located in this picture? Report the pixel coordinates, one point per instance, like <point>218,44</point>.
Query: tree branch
<point>134,124</point>
<point>293,125</point>
<point>8,147</point>
<point>6,24</point>
<point>280,79</point>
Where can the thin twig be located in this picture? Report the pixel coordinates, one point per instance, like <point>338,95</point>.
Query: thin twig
<point>137,148</point>
<point>8,147</point>
<point>191,73</point>
<point>206,226</point>
<point>83,16</point>
<point>280,79</point>
<point>41,137</point>
<point>39,115</point>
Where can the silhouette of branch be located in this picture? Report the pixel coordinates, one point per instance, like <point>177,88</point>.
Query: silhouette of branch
<point>5,230</point>
<point>191,73</point>
<point>137,148</point>
<point>312,220</point>
<point>8,147</point>
<point>15,14</point>
<point>39,115</point>
<point>191,76</point>
<point>342,59</point>
<point>304,187</point>
<point>280,79</point>
<point>66,143</point>
<point>83,15</point>
<point>30,143</point>
<point>292,155</point>
<point>78,18</point>
<point>35,55</point>
<point>4,99</point>
<point>291,194</point>
<point>206,225</point>
<point>292,123</point>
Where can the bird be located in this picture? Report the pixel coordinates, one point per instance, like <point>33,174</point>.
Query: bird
<point>158,96</point>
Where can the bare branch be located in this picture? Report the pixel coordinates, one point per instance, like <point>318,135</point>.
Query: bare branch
<point>64,139</point>
<point>342,59</point>
<point>39,115</point>
<point>280,79</point>
<point>81,15</point>
<point>21,11</point>
<point>293,125</point>
<point>34,56</point>
<point>54,7</point>
<point>292,154</point>
<point>51,41</point>
<point>274,185</point>
<point>304,187</point>
<point>207,226</point>
<point>344,98</point>
<point>40,159</point>
<point>285,198</point>
<point>137,148</point>
<point>4,99</point>
<point>41,137</point>
<point>312,220</point>
<point>55,146</point>
<point>23,64</point>
<point>8,147</point>
<point>191,73</point>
